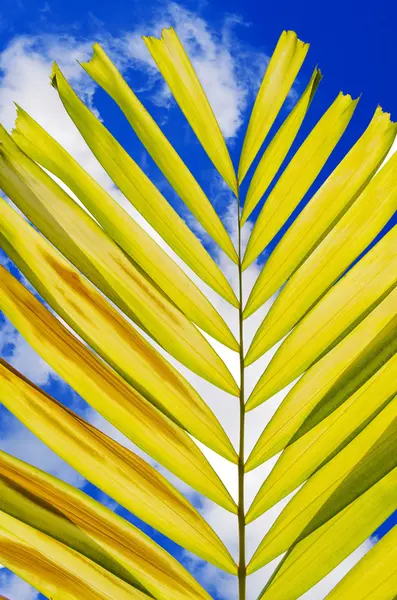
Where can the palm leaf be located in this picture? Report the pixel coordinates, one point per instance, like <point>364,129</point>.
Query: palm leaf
<point>122,228</point>
<point>178,72</point>
<point>133,315</point>
<point>139,190</point>
<point>308,561</point>
<point>281,72</point>
<point>376,574</point>
<point>299,175</point>
<point>85,448</point>
<point>76,520</point>
<point>104,72</point>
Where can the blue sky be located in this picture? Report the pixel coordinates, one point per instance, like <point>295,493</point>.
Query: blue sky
<point>230,43</point>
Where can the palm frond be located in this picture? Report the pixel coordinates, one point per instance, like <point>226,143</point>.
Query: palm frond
<point>120,311</point>
<point>60,511</point>
<point>313,557</point>
<point>112,467</point>
<point>139,190</point>
<point>141,248</point>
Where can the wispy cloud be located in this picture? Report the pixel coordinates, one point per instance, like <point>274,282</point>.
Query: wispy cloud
<point>21,356</point>
<point>14,588</point>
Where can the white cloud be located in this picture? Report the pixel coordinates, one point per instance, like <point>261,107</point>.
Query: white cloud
<point>14,588</point>
<point>22,356</point>
<point>25,67</point>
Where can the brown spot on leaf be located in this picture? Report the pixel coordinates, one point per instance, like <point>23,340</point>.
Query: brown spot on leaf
<point>71,350</point>
<point>118,324</point>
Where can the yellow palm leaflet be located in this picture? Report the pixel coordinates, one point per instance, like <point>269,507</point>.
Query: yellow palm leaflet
<point>278,148</point>
<point>340,310</point>
<point>345,242</point>
<point>105,73</point>
<point>284,65</point>
<point>83,524</point>
<point>299,175</point>
<point>325,208</point>
<point>56,570</point>
<point>117,471</point>
<point>353,471</point>
<point>87,246</point>
<point>177,70</point>
<point>314,448</point>
<point>122,228</point>
<point>375,576</point>
<point>107,332</point>
<point>108,393</point>
<point>320,552</point>
<point>327,385</point>
<point>140,191</point>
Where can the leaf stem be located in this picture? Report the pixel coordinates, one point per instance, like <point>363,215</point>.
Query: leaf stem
<point>242,571</point>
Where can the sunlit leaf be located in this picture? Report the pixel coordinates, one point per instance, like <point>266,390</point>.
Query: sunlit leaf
<point>118,472</point>
<point>117,304</point>
<point>327,206</point>
<point>299,175</point>
<point>122,228</point>
<point>177,70</point>
<point>107,332</point>
<point>83,524</point>
<point>105,73</point>
<point>107,392</point>
<point>281,71</point>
